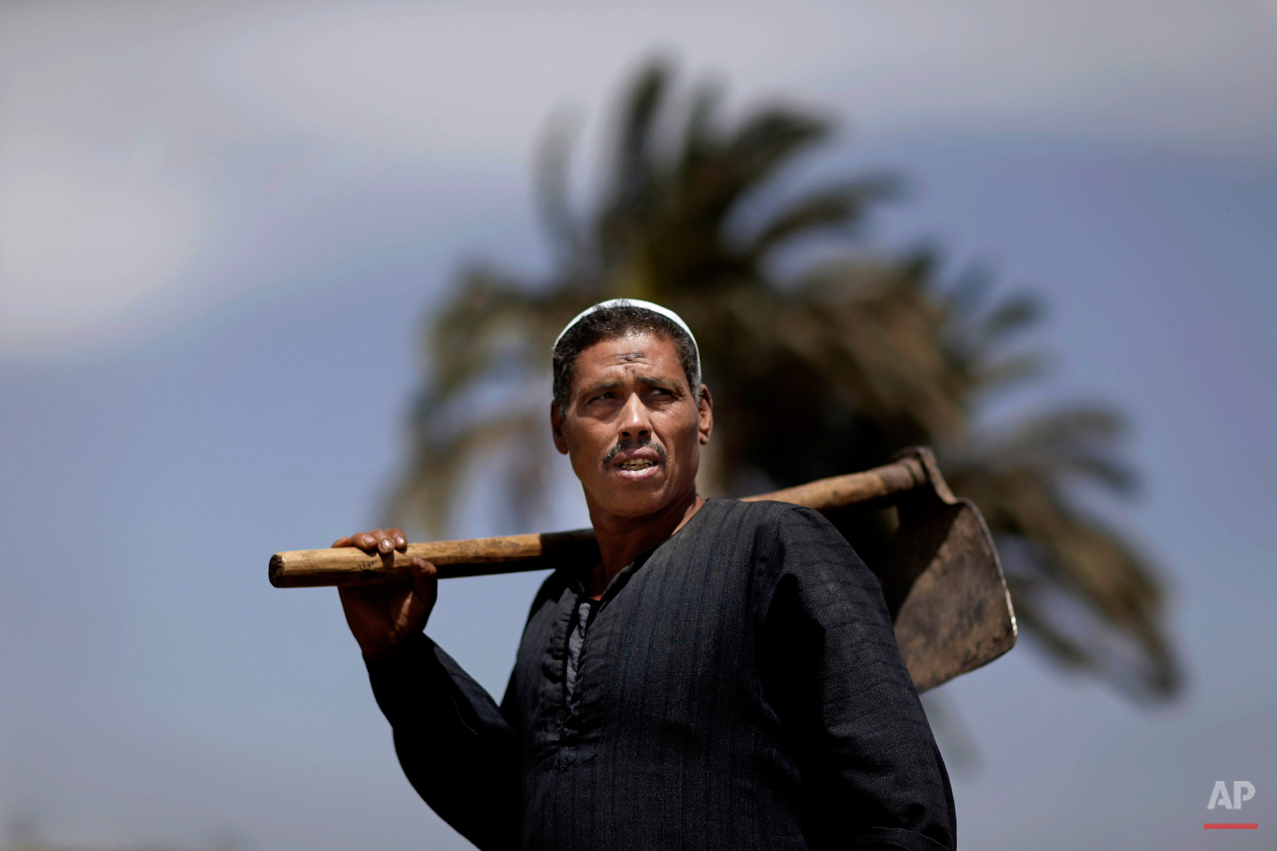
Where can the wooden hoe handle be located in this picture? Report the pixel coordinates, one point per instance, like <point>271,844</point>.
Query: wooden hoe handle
<point>483,556</point>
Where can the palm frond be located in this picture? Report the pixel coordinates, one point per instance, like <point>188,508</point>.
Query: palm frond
<point>553,204</point>
<point>633,175</point>
<point>1079,441</point>
<point>836,207</point>
<point>1005,373</point>
<point>1013,314</point>
<point>426,494</point>
<point>971,289</point>
<point>697,142</point>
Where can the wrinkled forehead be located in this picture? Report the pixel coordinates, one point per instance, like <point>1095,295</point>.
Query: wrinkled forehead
<point>647,351</point>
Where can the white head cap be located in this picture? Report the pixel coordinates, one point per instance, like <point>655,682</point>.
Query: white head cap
<point>645,305</point>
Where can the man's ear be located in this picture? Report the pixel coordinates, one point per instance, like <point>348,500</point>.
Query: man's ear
<point>556,429</point>
<point>705,405</point>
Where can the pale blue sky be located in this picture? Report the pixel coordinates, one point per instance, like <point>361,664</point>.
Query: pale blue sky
<point>221,227</point>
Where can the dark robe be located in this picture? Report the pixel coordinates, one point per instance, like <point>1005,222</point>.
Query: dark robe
<point>739,687</point>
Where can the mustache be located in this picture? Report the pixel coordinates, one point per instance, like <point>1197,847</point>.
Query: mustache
<point>626,445</point>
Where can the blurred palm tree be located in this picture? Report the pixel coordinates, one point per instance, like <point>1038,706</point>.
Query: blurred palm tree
<point>825,371</point>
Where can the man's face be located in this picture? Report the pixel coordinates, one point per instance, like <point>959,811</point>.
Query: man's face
<point>632,427</point>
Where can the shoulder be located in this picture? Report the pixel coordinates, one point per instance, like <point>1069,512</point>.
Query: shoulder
<point>760,511</point>
<point>795,552</point>
<point>767,518</point>
<point>786,538</point>
<point>774,536</point>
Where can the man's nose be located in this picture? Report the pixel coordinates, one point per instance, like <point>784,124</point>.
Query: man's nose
<point>634,420</point>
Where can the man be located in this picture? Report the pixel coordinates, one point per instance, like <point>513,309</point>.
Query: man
<point>725,677</point>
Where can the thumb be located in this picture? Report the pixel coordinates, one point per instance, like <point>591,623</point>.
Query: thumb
<point>425,581</point>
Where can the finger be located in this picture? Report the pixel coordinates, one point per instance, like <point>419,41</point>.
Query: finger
<point>366,541</point>
<point>385,540</point>
<point>399,538</point>
<point>425,580</point>
<point>422,569</point>
<point>363,540</point>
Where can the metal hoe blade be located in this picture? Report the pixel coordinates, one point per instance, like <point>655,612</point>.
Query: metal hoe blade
<point>944,585</point>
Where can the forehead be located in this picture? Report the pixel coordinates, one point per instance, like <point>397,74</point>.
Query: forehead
<point>657,356</point>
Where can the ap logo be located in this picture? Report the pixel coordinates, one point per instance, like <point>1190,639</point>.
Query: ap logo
<point>1243,790</point>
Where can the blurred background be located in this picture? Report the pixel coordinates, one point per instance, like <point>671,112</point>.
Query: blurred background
<point>274,272</point>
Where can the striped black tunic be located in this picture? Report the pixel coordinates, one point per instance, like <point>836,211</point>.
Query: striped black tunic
<point>739,687</point>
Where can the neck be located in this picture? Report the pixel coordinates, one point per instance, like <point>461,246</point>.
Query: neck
<point>622,539</point>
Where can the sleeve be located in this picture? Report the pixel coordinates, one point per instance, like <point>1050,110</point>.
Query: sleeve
<point>453,742</point>
<point>872,775</point>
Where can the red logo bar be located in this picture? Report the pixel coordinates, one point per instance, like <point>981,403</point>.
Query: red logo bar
<point>1232,826</point>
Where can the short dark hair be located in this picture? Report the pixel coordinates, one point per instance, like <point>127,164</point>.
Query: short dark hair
<point>609,323</point>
